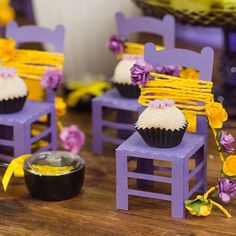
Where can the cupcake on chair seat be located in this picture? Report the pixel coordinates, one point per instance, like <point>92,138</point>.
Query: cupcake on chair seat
<point>122,79</point>
<point>162,124</point>
<point>13,91</point>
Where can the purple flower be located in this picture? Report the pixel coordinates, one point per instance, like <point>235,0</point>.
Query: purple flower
<point>52,79</point>
<point>226,141</point>
<point>226,189</point>
<point>140,72</point>
<point>168,70</point>
<point>7,72</point>
<point>115,45</point>
<point>161,103</point>
<point>72,138</point>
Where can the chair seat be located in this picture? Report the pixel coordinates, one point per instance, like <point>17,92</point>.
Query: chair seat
<point>113,99</point>
<point>31,111</point>
<point>136,146</point>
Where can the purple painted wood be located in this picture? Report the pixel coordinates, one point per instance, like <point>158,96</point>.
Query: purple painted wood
<point>124,107</point>
<point>180,174</point>
<point>24,7</point>
<point>203,61</point>
<point>146,24</point>
<point>21,122</point>
<point>37,34</point>
<point>193,146</point>
<point>111,99</point>
<point>21,140</point>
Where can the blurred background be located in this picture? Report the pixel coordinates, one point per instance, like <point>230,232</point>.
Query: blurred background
<point>89,24</point>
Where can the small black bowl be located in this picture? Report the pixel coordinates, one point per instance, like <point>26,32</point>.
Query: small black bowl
<point>57,187</point>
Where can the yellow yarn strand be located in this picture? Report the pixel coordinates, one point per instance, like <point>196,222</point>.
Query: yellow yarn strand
<point>32,64</point>
<point>186,93</point>
<point>221,208</point>
<point>135,49</point>
<point>206,195</point>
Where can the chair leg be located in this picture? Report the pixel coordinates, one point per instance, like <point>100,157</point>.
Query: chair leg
<point>125,117</point>
<point>121,181</point>
<point>202,156</point>
<point>19,135</point>
<point>144,166</point>
<point>97,142</point>
<point>205,167</point>
<point>54,130</point>
<point>178,184</point>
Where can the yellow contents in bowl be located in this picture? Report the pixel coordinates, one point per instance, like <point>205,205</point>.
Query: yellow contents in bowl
<point>51,170</point>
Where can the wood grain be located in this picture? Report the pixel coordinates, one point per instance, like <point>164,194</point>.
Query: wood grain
<point>93,211</point>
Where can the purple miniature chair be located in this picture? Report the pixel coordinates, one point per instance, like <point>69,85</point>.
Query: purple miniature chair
<point>111,101</point>
<point>15,135</point>
<point>193,146</point>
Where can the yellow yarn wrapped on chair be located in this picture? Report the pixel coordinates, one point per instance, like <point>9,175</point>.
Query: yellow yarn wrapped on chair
<point>30,64</point>
<point>187,93</point>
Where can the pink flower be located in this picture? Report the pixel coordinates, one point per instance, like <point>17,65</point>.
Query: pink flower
<point>7,72</point>
<point>161,103</point>
<point>72,138</point>
<point>226,141</point>
<point>52,79</point>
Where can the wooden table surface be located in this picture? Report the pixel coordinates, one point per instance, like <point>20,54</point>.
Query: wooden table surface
<point>93,211</point>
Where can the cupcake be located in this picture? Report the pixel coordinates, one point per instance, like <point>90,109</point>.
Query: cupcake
<point>162,124</point>
<point>122,79</point>
<point>13,91</point>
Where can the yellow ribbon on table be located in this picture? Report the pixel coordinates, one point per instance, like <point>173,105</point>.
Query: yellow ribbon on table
<point>94,88</point>
<point>16,168</point>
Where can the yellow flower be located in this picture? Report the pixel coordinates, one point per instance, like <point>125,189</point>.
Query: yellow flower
<point>199,206</point>
<point>189,73</point>
<point>7,49</point>
<point>229,166</point>
<point>7,14</point>
<point>60,107</point>
<point>216,114</point>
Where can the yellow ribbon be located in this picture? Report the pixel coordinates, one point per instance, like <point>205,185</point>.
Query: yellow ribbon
<point>94,88</point>
<point>16,168</point>
<point>205,196</point>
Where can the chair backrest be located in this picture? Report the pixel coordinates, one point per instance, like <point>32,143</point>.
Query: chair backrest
<point>203,62</point>
<point>37,34</point>
<point>146,24</point>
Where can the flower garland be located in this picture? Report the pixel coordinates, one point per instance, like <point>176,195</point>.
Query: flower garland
<point>177,89</point>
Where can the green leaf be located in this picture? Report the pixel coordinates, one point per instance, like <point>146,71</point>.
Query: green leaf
<point>226,176</point>
<point>218,135</point>
<point>215,194</point>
